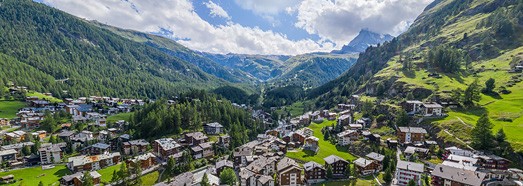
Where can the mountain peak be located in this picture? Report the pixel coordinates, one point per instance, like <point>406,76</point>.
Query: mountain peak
<point>365,38</point>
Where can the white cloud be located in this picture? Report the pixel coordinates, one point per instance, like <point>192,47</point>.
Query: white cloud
<point>267,7</point>
<point>180,17</point>
<point>341,20</point>
<point>217,10</point>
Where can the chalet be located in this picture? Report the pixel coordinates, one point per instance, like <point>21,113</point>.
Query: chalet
<point>90,163</point>
<point>145,161</point>
<point>311,143</point>
<point>337,164</point>
<point>66,135</point>
<point>366,167</point>
<point>431,109</point>
<point>364,121</point>
<point>411,135</point>
<point>289,172</point>
<point>224,141</point>
<point>208,151</point>
<point>305,120</point>
<point>346,106</point>
<point>263,166</point>
<point>41,134</point>
<point>461,162</point>
<point>213,128</point>
<point>195,138</point>
<point>406,171</point>
<point>248,177</point>
<point>457,151</point>
<point>16,136</point>
<point>76,179</point>
<point>420,152</point>
<point>331,116</point>
<point>373,138</point>
<point>221,165</point>
<point>412,106</point>
<point>97,148</point>
<point>4,121</point>
<point>448,175</point>
<point>493,162</point>
<point>50,154</point>
<point>133,147</point>
<point>7,179</point>
<point>17,147</point>
<point>345,120</point>
<point>165,147</point>
<point>314,172</point>
<point>378,158</point>
<point>316,115</point>
<point>7,155</point>
<point>355,127</point>
<point>347,137</point>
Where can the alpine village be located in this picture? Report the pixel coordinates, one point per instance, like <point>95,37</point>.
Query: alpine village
<point>83,103</point>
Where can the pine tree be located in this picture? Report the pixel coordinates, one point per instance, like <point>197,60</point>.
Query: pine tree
<point>348,172</point>
<point>115,177</point>
<point>169,169</point>
<point>227,176</point>
<point>411,183</point>
<point>329,172</point>
<point>87,179</point>
<point>500,136</point>
<point>402,118</point>
<point>40,183</point>
<point>482,137</point>
<point>124,173</point>
<point>388,176</point>
<point>472,93</point>
<point>205,180</point>
<point>490,84</point>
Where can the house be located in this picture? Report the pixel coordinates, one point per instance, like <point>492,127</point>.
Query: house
<point>378,158</point>
<point>412,106</point>
<point>145,161</point>
<point>289,172</point>
<point>493,162</point>
<point>431,109</point>
<point>208,151</point>
<point>97,148</point>
<point>17,147</point>
<point>447,175</point>
<point>213,128</point>
<point>420,152</point>
<point>314,172</point>
<point>138,146</point>
<point>7,179</point>
<point>4,121</point>
<point>461,162</point>
<point>406,171</point>
<point>224,141</point>
<point>221,165</point>
<point>16,136</point>
<point>90,163</point>
<point>165,147</point>
<point>195,138</point>
<point>366,167</point>
<point>249,178</point>
<point>355,126</point>
<point>66,135</point>
<point>197,152</point>
<point>347,137</point>
<point>7,155</point>
<point>50,154</point>
<point>76,179</point>
<point>412,135</point>
<point>345,120</point>
<point>311,143</point>
<point>337,164</point>
<point>263,165</point>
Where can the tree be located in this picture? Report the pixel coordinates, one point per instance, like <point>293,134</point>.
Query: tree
<point>380,89</point>
<point>115,177</point>
<point>410,96</point>
<point>329,172</point>
<point>88,179</point>
<point>490,84</point>
<point>169,169</point>
<point>411,183</point>
<point>472,93</point>
<point>26,151</point>
<point>40,183</point>
<point>138,173</point>
<point>347,172</point>
<point>388,176</point>
<point>457,95</point>
<point>205,180</point>
<point>124,173</point>
<point>402,118</point>
<point>481,134</point>
<point>227,176</point>
<point>500,136</point>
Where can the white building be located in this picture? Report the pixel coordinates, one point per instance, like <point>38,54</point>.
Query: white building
<point>50,154</point>
<point>406,171</point>
<point>347,137</point>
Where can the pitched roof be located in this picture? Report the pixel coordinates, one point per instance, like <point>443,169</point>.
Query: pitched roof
<point>464,176</point>
<point>167,143</point>
<point>333,158</point>
<point>224,163</point>
<point>347,132</point>
<point>311,165</point>
<point>362,162</point>
<point>286,163</point>
<point>406,165</point>
<point>375,156</point>
<point>412,129</point>
<point>214,124</point>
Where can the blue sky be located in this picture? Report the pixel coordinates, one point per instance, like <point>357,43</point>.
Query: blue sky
<point>287,27</point>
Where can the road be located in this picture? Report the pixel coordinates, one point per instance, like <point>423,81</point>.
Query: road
<point>398,155</point>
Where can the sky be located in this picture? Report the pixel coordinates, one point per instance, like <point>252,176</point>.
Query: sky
<point>277,27</point>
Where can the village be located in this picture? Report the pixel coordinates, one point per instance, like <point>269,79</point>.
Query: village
<point>327,146</point>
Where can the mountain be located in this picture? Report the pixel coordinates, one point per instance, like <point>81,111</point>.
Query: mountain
<point>361,42</point>
<point>261,67</point>
<point>175,49</point>
<point>40,45</point>
<point>451,45</point>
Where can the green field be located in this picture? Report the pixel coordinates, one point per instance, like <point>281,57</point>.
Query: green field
<point>326,148</point>
<point>151,178</point>
<point>296,109</point>
<point>107,173</point>
<point>8,109</point>
<point>33,175</point>
<point>122,116</point>
<point>365,181</point>
<point>42,96</point>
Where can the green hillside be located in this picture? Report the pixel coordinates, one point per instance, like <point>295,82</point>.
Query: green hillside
<point>459,41</point>
<point>40,45</point>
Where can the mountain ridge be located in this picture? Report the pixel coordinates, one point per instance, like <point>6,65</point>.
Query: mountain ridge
<point>362,41</point>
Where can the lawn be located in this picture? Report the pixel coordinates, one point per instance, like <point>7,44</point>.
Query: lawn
<point>296,109</point>
<point>364,181</point>
<point>151,178</point>
<point>326,148</point>
<point>8,109</point>
<point>121,116</point>
<point>33,175</point>
<point>107,173</point>
<point>42,96</point>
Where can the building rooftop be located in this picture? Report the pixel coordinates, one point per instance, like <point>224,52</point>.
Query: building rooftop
<point>467,177</point>
<point>167,143</point>
<point>214,124</point>
<point>362,162</point>
<point>411,166</point>
<point>333,158</point>
<point>412,130</point>
<point>311,165</point>
<point>375,156</point>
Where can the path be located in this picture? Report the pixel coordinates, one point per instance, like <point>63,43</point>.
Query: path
<point>446,131</point>
<point>377,180</point>
<point>462,122</point>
